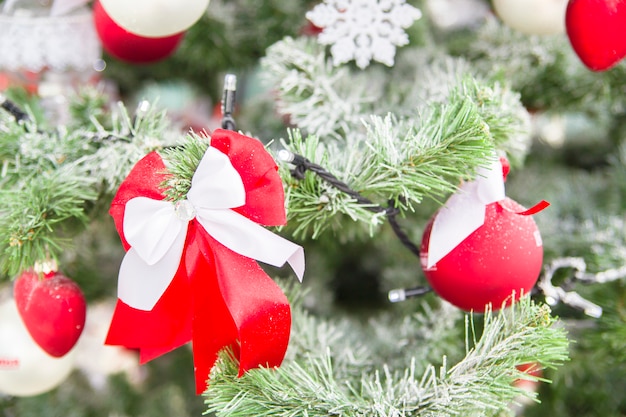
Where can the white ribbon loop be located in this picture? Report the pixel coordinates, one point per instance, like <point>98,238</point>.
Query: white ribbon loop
<point>464,212</point>
<point>150,227</point>
<point>216,184</point>
<point>156,231</point>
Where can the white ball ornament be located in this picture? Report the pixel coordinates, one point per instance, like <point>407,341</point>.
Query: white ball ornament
<point>25,369</point>
<point>155,18</point>
<point>533,17</point>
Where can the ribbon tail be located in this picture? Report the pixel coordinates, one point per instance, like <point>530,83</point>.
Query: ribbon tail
<point>543,204</point>
<point>212,325</point>
<point>259,316</point>
<point>258,306</point>
<point>158,331</point>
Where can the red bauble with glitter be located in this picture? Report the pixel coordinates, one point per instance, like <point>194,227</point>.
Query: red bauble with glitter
<point>129,47</point>
<point>502,256</point>
<point>53,309</point>
<point>596,30</point>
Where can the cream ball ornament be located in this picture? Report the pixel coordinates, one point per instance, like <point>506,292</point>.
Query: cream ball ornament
<point>533,17</point>
<point>155,18</point>
<point>129,47</point>
<point>25,369</point>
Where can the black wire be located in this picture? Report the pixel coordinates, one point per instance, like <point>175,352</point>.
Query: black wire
<point>341,186</point>
<point>401,234</point>
<point>302,165</point>
<point>14,109</point>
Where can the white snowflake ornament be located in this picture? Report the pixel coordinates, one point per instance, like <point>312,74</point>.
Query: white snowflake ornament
<point>363,30</point>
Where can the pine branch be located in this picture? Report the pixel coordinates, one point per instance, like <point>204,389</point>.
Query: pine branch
<point>332,102</point>
<point>182,163</point>
<point>480,384</point>
<point>33,212</point>
<point>51,178</point>
<point>400,161</point>
<point>319,98</point>
<point>433,138</point>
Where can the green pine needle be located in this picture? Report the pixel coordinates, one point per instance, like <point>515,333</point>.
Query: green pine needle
<point>182,162</point>
<point>479,384</point>
<point>52,179</point>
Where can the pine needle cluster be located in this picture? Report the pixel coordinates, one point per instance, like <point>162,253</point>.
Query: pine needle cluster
<point>56,178</point>
<point>389,140</point>
<point>328,379</point>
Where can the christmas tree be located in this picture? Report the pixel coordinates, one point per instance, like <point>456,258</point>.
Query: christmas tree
<point>413,144</point>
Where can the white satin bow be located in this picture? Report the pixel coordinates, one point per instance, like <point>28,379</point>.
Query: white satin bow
<point>156,231</point>
<point>464,212</point>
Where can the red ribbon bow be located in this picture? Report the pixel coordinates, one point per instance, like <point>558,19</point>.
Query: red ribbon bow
<point>217,298</point>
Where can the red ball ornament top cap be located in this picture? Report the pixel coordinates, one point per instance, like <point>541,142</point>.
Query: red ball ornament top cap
<point>47,268</point>
<point>506,167</point>
<point>464,212</point>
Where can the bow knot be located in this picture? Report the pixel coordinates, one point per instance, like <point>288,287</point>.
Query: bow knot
<point>184,210</point>
<point>191,271</point>
<point>156,231</point>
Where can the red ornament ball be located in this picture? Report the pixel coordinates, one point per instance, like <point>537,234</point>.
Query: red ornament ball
<point>597,31</point>
<point>53,310</point>
<point>502,256</point>
<point>129,47</point>
<point>534,370</point>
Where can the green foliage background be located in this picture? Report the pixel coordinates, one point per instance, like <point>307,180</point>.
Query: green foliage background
<point>584,179</point>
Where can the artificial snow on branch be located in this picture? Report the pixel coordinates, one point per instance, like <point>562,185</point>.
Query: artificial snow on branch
<point>52,177</point>
<point>334,102</point>
<point>324,384</point>
<point>392,139</point>
<point>398,160</point>
<point>311,92</point>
